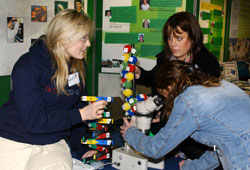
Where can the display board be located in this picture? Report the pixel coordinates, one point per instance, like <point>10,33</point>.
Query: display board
<point>239,37</point>
<point>33,16</point>
<point>138,23</point>
<point>27,20</point>
<point>212,19</point>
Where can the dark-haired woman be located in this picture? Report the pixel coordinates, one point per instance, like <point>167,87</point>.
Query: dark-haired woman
<point>183,40</point>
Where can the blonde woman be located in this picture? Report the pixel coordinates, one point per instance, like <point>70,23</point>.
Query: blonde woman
<point>44,109</point>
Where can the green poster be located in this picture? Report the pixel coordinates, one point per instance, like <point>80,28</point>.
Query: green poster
<point>135,23</point>
<point>212,22</point>
<point>244,18</point>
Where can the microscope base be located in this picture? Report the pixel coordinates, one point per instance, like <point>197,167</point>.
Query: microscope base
<point>127,159</point>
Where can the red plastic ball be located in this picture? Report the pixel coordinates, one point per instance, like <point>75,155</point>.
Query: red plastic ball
<point>127,49</point>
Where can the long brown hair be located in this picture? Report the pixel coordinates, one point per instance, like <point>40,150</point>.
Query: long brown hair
<point>66,27</point>
<point>187,23</point>
<point>175,76</point>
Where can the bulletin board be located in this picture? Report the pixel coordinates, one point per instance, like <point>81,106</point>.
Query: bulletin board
<point>212,19</point>
<point>239,37</point>
<point>32,16</point>
<point>126,25</point>
<point>25,11</point>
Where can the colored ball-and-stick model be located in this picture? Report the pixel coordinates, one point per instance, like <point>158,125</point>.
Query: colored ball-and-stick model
<point>127,76</point>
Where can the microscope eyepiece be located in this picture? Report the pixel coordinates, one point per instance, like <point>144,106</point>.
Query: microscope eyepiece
<point>158,101</point>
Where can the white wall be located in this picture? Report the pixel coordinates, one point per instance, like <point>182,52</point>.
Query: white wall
<point>109,85</point>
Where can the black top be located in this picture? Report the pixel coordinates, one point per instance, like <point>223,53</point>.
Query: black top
<point>205,60</point>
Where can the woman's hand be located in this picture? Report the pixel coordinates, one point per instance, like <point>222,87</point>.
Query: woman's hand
<point>137,72</point>
<point>93,110</point>
<point>157,117</point>
<point>89,154</point>
<point>126,126</point>
<point>181,163</point>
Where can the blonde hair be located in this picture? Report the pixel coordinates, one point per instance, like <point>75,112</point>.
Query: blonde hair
<point>66,27</point>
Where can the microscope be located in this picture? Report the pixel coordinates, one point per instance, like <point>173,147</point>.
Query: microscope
<point>126,157</point>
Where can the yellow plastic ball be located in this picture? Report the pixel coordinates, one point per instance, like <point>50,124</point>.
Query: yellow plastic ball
<point>127,92</point>
<point>126,106</point>
<point>129,76</point>
<point>125,57</point>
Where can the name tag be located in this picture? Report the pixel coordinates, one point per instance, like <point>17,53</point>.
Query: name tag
<point>73,79</point>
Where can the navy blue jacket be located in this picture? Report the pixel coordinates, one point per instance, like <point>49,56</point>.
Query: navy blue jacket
<point>35,114</point>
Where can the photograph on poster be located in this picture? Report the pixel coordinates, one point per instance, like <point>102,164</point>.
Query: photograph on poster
<point>107,63</point>
<point>15,29</point>
<point>145,5</point>
<point>59,6</point>
<point>38,13</point>
<point>79,5</point>
<point>116,63</point>
<point>141,37</point>
<point>230,71</point>
<point>113,63</point>
<point>145,23</point>
<point>108,13</point>
<point>239,49</point>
